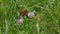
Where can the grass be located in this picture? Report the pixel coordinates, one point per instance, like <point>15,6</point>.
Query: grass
<point>45,21</point>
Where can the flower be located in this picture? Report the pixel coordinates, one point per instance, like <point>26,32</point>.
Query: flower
<point>20,20</point>
<point>30,14</point>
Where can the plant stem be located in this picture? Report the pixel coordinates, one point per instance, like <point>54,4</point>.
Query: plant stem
<point>37,25</point>
<point>6,26</point>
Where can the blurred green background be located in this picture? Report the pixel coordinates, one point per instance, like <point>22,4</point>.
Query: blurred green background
<point>45,21</point>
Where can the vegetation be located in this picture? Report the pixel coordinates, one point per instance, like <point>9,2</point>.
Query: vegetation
<point>45,21</point>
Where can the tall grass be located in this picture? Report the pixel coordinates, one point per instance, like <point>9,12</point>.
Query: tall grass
<point>45,21</point>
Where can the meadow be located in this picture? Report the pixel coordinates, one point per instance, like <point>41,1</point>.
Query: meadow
<point>46,19</point>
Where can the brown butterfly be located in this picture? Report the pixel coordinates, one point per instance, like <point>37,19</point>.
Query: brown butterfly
<point>23,11</point>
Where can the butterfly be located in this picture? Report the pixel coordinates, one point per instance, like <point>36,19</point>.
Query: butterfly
<point>23,11</point>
